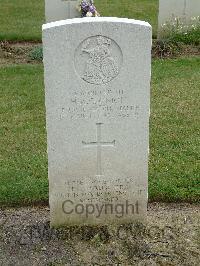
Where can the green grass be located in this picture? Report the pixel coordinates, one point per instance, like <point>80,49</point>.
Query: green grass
<point>23,162</point>
<point>146,10</point>
<point>22,20</point>
<point>173,171</point>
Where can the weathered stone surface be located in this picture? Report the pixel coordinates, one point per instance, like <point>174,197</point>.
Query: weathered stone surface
<point>60,10</point>
<point>97,83</point>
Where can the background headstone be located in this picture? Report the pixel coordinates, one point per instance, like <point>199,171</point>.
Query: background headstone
<point>97,83</point>
<point>182,9</point>
<point>61,10</point>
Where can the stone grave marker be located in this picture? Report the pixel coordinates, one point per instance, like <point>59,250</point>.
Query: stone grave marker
<point>184,10</point>
<point>61,10</point>
<point>97,86</point>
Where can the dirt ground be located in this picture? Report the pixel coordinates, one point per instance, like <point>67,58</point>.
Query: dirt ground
<point>19,52</point>
<point>171,236</point>
<point>16,53</point>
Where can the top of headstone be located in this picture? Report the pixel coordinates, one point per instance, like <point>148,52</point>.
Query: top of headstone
<point>94,19</point>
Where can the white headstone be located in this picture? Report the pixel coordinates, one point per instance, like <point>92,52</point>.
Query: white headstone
<point>61,10</point>
<point>184,10</point>
<point>97,83</point>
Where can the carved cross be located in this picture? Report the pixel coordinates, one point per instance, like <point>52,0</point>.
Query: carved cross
<point>99,144</point>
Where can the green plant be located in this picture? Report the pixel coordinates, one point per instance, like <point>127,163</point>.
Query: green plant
<point>36,54</point>
<point>190,37</point>
<point>165,48</point>
<point>178,30</point>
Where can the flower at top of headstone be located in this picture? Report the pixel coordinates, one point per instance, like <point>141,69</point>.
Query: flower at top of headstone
<point>88,9</point>
<point>92,9</point>
<point>89,14</point>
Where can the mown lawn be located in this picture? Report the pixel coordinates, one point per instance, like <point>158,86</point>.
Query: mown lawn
<point>22,20</point>
<point>174,171</point>
<point>23,162</point>
<point>174,134</point>
<point>146,10</point>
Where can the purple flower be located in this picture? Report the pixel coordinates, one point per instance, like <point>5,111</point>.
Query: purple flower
<point>84,5</point>
<point>87,6</point>
<point>92,9</point>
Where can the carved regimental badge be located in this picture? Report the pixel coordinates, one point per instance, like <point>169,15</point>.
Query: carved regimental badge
<point>98,60</point>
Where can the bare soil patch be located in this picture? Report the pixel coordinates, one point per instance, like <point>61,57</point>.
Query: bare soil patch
<point>18,52</point>
<point>170,237</point>
<point>165,49</point>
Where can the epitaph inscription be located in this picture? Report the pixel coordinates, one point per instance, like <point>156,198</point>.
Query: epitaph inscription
<point>98,60</point>
<point>100,189</point>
